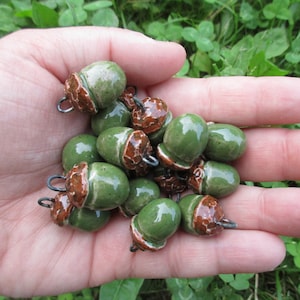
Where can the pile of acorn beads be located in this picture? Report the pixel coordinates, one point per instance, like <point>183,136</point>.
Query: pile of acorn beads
<point>138,151</point>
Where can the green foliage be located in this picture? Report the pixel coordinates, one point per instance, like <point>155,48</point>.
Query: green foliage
<point>221,37</point>
<point>126,289</point>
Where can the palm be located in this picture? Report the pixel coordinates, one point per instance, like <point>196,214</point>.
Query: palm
<point>37,257</point>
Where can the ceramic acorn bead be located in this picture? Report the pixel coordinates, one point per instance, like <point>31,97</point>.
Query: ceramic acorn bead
<point>171,182</point>
<point>94,87</point>
<point>114,115</point>
<point>97,186</point>
<point>225,142</point>
<point>80,148</point>
<point>184,140</point>
<point>154,224</point>
<point>213,178</point>
<point>203,215</point>
<point>63,212</point>
<point>152,116</point>
<point>127,148</point>
<point>142,191</point>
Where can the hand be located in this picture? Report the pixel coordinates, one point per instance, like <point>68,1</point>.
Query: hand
<point>40,258</point>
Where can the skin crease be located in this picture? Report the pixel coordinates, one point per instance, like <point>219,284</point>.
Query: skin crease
<point>40,258</point>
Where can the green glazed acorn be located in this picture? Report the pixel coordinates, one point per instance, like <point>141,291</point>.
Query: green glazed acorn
<point>203,215</point>
<point>114,115</point>
<point>94,87</point>
<point>142,191</point>
<point>88,220</point>
<point>184,140</point>
<point>225,142</point>
<point>154,224</point>
<point>213,178</point>
<point>63,212</point>
<point>80,148</point>
<point>97,186</point>
<point>127,148</point>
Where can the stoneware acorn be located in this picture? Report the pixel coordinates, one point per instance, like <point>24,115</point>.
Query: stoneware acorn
<point>142,191</point>
<point>114,115</point>
<point>127,148</point>
<point>225,142</point>
<point>203,215</point>
<point>213,178</point>
<point>94,87</point>
<point>97,186</point>
<point>80,148</point>
<point>170,182</point>
<point>154,224</point>
<point>184,140</point>
<point>63,212</point>
<point>152,116</point>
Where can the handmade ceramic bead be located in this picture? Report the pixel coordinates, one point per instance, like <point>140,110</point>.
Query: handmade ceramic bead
<point>63,212</point>
<point>80,148</point>
<point>88,220</point>
<point>114,115</point>
<point>203,215</point>
<point>225,142</point>
<point>213,178</point>
<point>142,191</point>
<point>127,148</point>
<point>99,185</point>
<point>154,224</point>
<point>171,182</point>
<point>184,140</point>
<point>94,87</point>
<point>151,115</point>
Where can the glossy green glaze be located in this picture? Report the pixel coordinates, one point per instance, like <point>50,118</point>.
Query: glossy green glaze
<point>104,80</point>
<point>114,115</point>
<point>142,191</point>
<point>87,219</point>
<point>186,137</point>
<point>108,186</point>
<point>156,222</point>
<point>111,142</point>
<point>159,219</point>
<point>80,148</point>
<point>187,206</point>
<point>220,179</point>
<point>157,137</point>
<point>225,142</point>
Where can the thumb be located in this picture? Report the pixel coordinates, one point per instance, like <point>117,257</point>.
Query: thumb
<point>65,50</point>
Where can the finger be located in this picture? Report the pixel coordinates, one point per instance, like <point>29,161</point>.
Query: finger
<point>275,210</point>
<point>271,155</point>
<point>244,101</point>
<point>66,50</point>
<point>233,251</point>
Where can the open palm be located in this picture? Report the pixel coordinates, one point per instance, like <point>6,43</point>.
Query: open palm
<point>40,258</point>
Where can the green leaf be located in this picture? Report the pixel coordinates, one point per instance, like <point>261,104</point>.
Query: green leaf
<point>95,5</point>
<point>156,29</point>
<point>105,17</point>
<point>226,277</point>
<point>190,34</point>
<point>126,289</point>
<point>173,32</point>
<point>205,44</point>
<point>206,29</point>
<point>180,289</point>
<point>260,66</point>
<point>273,42</point>
<point>200,62</point>
<point>43,16</point>
<point>72,16</point>
<point>200,284</point>
<point>240,284</point>
<point>184,69</point>
<point>237,58</point>
<point>278,9</point>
